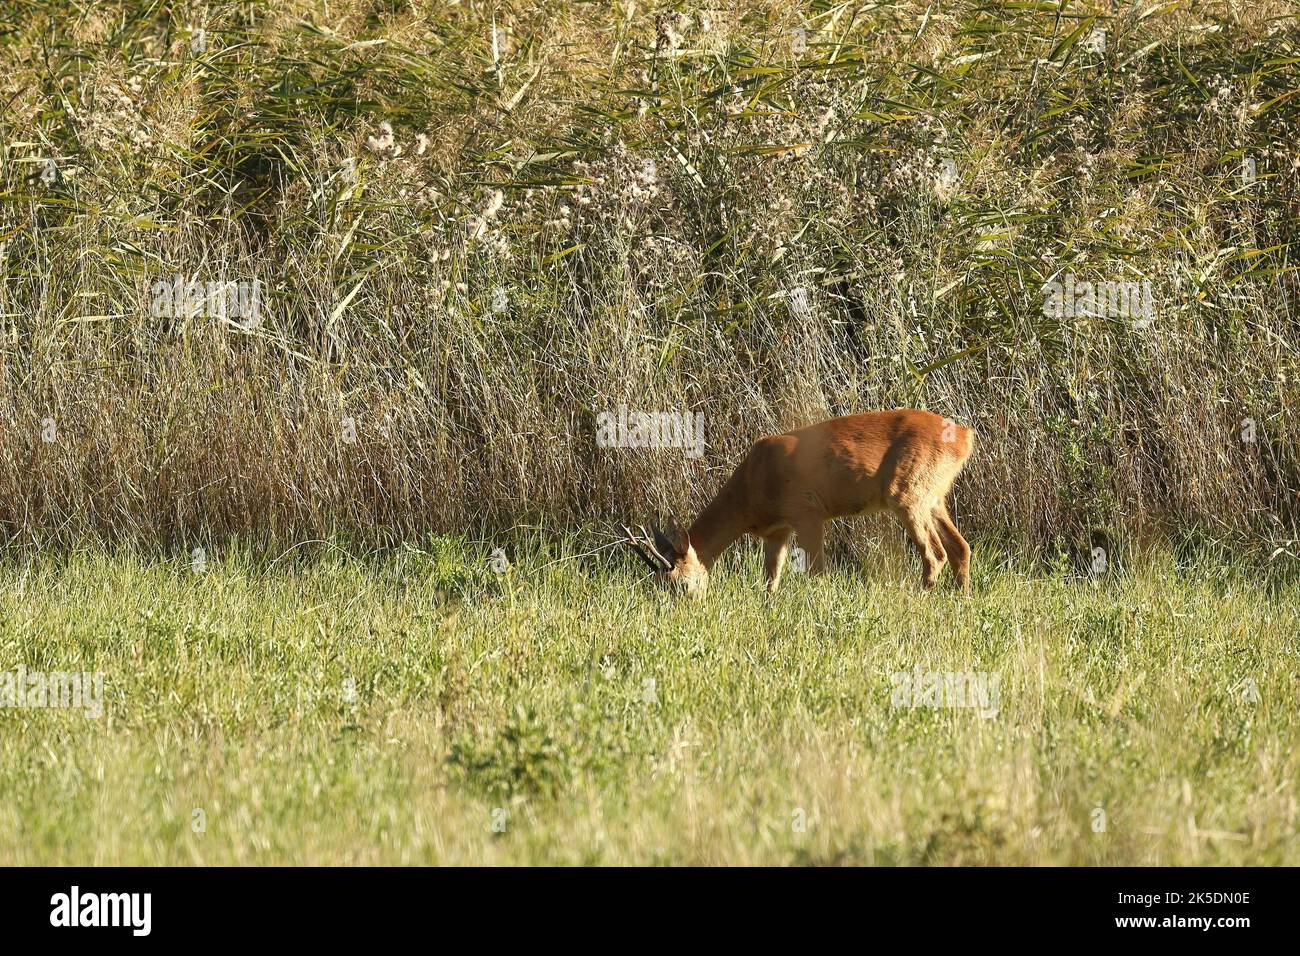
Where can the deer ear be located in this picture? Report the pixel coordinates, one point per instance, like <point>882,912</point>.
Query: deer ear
<point>678,538</point>
<point>664,543</point>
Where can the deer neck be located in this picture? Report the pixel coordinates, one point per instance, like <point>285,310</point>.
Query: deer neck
<point>719,524</point>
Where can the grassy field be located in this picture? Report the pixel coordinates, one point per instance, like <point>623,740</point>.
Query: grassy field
<point>375,272</point>
<point>418,707</point>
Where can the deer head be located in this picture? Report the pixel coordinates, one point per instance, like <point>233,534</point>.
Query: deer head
<point>672,559</point>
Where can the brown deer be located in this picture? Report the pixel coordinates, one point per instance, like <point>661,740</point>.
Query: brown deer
<point>903,461</point>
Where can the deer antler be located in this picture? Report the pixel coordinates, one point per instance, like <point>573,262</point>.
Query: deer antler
<point>643,549</point>
<point>653,544</point>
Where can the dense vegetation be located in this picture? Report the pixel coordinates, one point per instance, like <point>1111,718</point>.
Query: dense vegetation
<point>477,226</point>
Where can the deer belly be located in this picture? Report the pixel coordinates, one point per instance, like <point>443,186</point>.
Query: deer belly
<point>862,498</point>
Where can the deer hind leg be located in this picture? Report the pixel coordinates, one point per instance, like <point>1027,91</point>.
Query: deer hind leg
<point>919,525</point>
<point>953,543</point>
<point>775,546</point>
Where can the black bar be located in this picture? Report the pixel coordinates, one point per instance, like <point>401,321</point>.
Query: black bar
<point>361,906</point>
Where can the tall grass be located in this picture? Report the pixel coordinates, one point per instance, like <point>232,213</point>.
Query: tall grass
<point>581,206</point>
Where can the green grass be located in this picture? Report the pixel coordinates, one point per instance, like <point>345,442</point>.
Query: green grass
<point>526,693</point>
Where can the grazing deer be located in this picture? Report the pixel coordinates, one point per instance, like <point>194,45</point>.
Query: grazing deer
<point>903,461</point>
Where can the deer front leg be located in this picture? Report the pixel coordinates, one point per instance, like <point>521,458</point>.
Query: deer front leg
<point>810,536</point>
<point>775,546</point>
